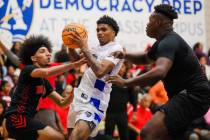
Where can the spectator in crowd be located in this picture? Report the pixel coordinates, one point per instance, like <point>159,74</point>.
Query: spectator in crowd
<point>198,49</point>
<point>15,76</point>
<point>207,117</point>
<point>140,118</point>
<point>3,106</point>
<point>5,89</point>
<point>2,57</point>
<point>158,93</point>
<point>203,62</point>
<point>62,55</point>
<point>159,96</point>
<point>199,129</point>
<point>60,83</point>
<point>116,112</point>
<point>16,50</point>
<point>10,74</point>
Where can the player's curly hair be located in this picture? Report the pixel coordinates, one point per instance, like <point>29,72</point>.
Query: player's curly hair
<point>166,10</point>
<point>110,21</point>
<point>31,45</point>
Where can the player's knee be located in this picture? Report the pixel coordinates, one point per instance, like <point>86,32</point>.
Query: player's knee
<point>56,136</point>
<point>78,134</point>
<point>59,136</point>
<point>50,133</point>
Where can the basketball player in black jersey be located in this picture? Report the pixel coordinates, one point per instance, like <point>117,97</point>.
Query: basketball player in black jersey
<point>32,85</point>
<point>178,67</point>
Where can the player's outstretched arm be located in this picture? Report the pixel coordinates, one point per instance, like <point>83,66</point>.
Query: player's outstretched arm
<point>12,57</point>
<point>56,70</point>
<point>151,77</point>
<point>136,58</point>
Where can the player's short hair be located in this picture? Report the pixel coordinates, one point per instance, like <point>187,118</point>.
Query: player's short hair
<point>30,47</point>
<point>110,21</point>
<point>166,10</point>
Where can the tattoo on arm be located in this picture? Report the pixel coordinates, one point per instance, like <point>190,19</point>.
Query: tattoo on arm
<point>94,64</point>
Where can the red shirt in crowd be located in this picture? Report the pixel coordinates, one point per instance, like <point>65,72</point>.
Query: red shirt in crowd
<point>143,115</point>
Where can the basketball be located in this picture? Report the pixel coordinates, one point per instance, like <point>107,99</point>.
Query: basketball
<point>71,29</point>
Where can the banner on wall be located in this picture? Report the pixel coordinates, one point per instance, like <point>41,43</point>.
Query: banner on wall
<point>20,18</point>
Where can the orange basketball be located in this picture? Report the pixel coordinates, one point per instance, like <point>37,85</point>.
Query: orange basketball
<point>71,29</point>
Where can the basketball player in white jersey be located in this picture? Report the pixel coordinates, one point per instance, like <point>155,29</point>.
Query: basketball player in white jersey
<point>92,96</point>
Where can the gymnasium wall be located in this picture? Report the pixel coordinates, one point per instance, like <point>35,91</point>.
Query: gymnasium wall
<point>20,18</point>
<point>207,23</point>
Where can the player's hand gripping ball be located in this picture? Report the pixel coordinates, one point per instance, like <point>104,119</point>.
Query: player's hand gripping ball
<point>71,29</point>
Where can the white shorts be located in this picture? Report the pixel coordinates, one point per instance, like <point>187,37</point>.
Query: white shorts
<point>74,117</point>
<point>80,110</point>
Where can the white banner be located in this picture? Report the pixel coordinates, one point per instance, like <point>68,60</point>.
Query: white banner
<point>48,17</point>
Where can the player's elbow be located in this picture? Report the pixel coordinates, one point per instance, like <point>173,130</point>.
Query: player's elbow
<point>161,73</point>
<point>45,73</point>
<point>99,74</point>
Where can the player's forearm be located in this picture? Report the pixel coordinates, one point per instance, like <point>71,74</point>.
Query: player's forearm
<point>60,69</point>
<point>149,78</point>
<point>93,63</point>
<point>12,57</point>
<point>137,58</point>
<point>53,71</point>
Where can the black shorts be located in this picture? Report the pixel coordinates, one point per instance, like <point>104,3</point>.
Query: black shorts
<point>22,127</point>
<point>48,117</point>
<point>180,111</point>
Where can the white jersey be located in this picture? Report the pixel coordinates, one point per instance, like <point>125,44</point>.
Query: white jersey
<point>92,96</point>
<point>95,87</point>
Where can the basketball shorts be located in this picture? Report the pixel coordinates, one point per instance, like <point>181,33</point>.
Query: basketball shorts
<point>22,127</point>
<point>180,111</point>
<point>86,110</point>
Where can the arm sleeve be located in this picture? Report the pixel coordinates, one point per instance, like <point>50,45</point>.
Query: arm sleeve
<point>167,48</point>
<point>110,57</point>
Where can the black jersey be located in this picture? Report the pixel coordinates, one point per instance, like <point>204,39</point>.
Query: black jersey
<point>186,72</point>
<point>29,90</point>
